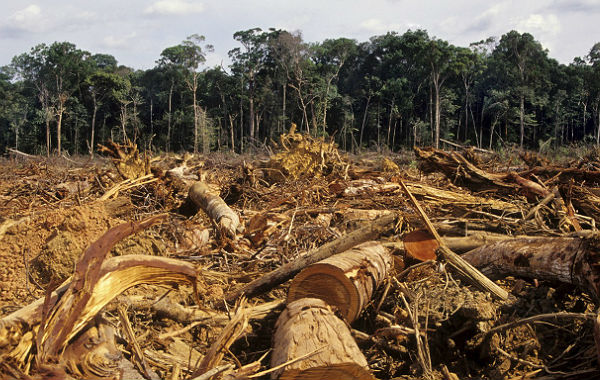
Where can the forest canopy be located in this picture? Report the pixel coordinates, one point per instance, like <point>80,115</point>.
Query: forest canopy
<point>393,91</point>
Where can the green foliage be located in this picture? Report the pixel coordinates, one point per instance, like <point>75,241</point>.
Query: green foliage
<point>393,90</point>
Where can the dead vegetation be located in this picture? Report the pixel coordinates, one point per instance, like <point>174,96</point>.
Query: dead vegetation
<point>177,266</point>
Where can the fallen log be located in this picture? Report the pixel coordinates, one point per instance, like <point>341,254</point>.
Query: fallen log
<point>345,281</point>
<point>571,260</point>
<point>289,270</point>
<point>307,326</point>
<point>226,220</point>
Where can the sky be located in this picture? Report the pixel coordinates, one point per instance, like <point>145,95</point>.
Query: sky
<point>135,31</point>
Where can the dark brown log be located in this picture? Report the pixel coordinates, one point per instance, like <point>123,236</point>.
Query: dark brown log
<point>572,260</point>
<point>226,220</point>
<point>289,270</point>
<point>345,281</point>
<point>309,327</point>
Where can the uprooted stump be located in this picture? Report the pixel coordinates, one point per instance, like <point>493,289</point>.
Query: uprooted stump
<point>309,328</point>
<point>302,156</point>
<point>126,158</point>
<point>346,280</point>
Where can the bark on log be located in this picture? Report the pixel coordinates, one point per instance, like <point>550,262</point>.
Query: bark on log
<point>287,271</point>
<point>345,281</point>
<point>309,326</point>
<point>226,220</point>
<point>571,260</point>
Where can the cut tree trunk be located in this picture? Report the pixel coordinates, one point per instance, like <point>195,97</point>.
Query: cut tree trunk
<point>345,281</point>
<point>309,328</point>
<point>571,260</point>
<point>287,271</point>
<point>226,220</point>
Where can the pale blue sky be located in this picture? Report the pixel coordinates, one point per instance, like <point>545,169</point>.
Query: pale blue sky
<point>136,31</point>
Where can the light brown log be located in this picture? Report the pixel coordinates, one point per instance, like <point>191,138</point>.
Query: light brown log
<point>226,220</point>
<point>345,281</point>
<point>307,326</point>
<point>572,260</point>
<point>287,271</point>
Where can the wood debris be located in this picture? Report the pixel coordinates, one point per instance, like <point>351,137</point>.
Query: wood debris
<point>303,264</point>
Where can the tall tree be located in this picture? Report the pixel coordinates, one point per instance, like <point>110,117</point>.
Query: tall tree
<point>526,59</point>
<point>188,56</point>
<point>442,61</point>
<point>249,62</point>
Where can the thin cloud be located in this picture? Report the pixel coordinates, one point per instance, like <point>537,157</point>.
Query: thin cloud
<point>586,6</point>
<point>28,14</point>
<point>540,24</point>
<point>376,25</point>
<point>173,7</point>
<point>118,42</point>
<point>23,21</point>
<point>485,21</point>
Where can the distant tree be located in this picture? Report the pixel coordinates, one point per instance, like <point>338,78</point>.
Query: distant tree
<point>525,60</point>
<point>187,57</point>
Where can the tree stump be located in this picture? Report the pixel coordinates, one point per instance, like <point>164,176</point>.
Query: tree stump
<point>309,327</point>
<point>345,281</point>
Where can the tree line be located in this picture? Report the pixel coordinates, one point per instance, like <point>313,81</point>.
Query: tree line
<point>393,91</point>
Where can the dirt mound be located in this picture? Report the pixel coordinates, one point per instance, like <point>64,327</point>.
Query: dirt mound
<point>46,247</point>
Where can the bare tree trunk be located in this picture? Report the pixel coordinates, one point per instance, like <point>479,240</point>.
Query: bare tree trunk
<point>436,87</point>
<point>492,132</point>
<point>390,123</point>
<point>193,86</point>
<point>62,98</point>
<point>231,133</point>
<point>93,131</point>
<point>47,136</point>
<point>565,259</point>
<point>251,105</point>
<point>522,119</point>
<point>364,121</point>
<point>466,114</point>
<point>283,108</point>
<point>169,116</point>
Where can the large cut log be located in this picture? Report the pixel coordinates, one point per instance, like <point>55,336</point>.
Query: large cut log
<point>287,271</point>
<point>308,327</point>
<point>226,220</point>
<point>346,280</point>
<point>572,260</point>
